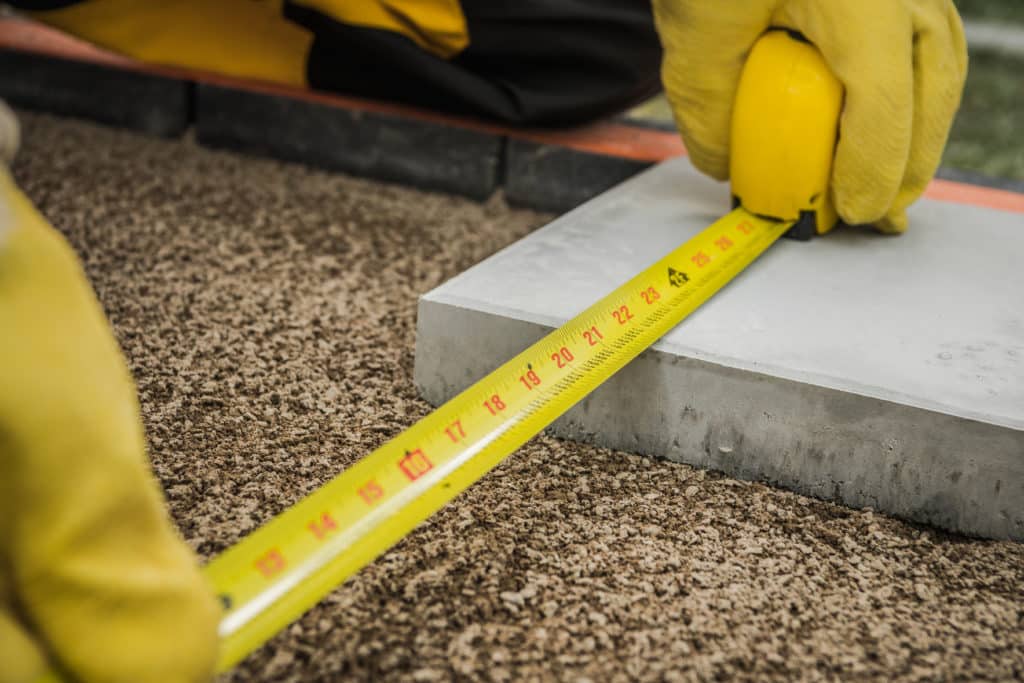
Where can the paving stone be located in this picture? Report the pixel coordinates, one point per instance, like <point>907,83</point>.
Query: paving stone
<point>385,146</point>
<point>553,178</point>
<point>883,372</point>
<point>146,102</point>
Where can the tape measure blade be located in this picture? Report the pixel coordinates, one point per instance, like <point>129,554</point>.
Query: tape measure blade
<point>282,569</point>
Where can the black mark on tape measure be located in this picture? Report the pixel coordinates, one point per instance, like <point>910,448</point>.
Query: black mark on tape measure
<point>677,278</point>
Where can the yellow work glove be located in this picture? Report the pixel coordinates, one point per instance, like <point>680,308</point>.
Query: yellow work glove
<point>93,577</point>
<point>903,64</point>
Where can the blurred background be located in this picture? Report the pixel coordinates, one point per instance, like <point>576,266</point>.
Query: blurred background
<point>987,141</point>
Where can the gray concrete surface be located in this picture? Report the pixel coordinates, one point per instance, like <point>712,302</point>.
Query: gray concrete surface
<point>994,37</point>
<point>874,371</point>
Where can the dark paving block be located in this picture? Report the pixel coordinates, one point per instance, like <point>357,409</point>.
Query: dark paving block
<point>552,178</point>
<point>379,145</point>
<point>150,103</point>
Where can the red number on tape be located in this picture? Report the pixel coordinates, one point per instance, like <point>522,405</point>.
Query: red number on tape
<point>415,464</point>
<point>622,315</point>
<point>723,242</point>
<point>455,431</point>
<point>371,492</point>
<point>494,404</point>
<point>593,335</point>
<point>700,259</point>
<point>563,356</point>
<point>271,563</point>
<point>323,526</point>
<point>650,295</point>
<point>530,379</point>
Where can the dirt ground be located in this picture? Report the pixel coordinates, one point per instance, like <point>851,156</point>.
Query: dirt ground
<point>268,313</point>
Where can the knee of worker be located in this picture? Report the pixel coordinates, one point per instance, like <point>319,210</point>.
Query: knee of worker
<point>546,62</point>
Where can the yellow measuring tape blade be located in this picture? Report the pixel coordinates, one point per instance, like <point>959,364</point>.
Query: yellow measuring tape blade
<point>282,569</point>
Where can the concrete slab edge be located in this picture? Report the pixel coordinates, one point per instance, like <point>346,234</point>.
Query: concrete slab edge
<point>834,445</point>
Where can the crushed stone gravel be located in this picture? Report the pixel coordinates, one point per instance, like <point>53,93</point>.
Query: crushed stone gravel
<point>267,311</point>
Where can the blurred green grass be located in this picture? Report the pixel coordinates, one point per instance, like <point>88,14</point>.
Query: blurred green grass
<point>992,10</point>
<point>988,133</point>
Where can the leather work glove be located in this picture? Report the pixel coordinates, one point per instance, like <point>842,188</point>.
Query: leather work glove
<point>903,64</point>
<point>93,578</point>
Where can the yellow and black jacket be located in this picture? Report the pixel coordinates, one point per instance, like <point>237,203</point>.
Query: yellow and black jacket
<point>551,62</point>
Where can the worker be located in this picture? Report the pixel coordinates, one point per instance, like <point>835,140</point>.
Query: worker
<point>93,576</point>
<point>554,62</point>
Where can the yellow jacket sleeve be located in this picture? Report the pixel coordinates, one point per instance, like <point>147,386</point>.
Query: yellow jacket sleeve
<point>249,39</point>
<point>239,38</point>
<point>92,571</point>
<point>437,26</point>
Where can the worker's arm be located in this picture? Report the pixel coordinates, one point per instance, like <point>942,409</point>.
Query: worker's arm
<point>93,576</point>
<point>902,64</point>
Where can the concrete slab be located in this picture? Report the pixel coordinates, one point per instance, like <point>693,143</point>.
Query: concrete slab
<point>1004,37</point>
<point>873,371</point>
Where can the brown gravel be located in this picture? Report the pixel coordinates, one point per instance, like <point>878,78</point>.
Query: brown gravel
<point>268,314</point>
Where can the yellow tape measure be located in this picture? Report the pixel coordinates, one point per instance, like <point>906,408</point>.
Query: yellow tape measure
<point>282,569</point>
<point>780,168</point>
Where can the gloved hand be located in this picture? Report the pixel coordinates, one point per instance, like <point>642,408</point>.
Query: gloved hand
<point>903,64</point>
<point>93,577</point>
